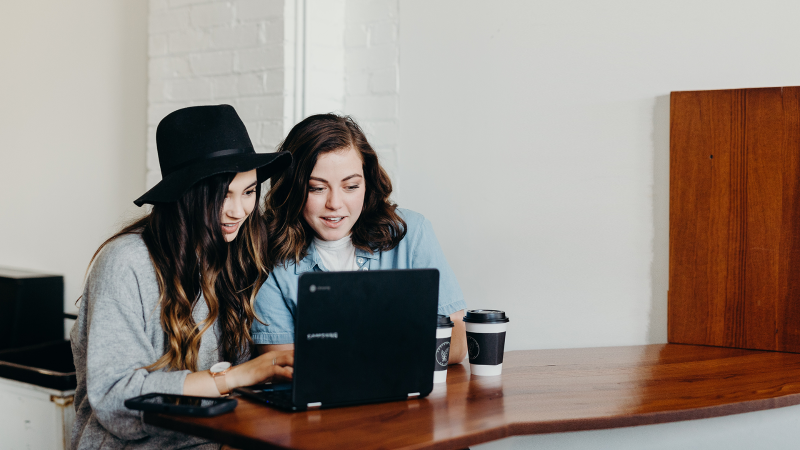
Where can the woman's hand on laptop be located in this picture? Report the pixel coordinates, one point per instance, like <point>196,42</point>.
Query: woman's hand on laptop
<point>263,368</point>
<point>267,367</point>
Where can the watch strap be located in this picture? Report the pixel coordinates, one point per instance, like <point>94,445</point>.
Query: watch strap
<point>219,379</point>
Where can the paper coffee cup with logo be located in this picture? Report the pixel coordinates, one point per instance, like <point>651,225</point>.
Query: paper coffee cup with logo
<point>444,331</point>
<point>486,339</point>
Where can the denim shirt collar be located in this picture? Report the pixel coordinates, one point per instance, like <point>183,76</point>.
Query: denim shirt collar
<point>312,261</point>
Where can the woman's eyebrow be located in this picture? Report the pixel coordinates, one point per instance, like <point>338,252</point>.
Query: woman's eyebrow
<point>323,180</point>
<point>352,176</point>
<point>248,187</point>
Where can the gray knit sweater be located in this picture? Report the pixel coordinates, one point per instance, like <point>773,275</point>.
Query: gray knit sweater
<point>118,332</point>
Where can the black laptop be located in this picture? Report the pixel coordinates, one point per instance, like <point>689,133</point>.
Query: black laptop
<point>360,337</point>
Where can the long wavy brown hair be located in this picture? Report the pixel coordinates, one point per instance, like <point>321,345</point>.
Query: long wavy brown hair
<point>190,257</point>
<point>379,228</point>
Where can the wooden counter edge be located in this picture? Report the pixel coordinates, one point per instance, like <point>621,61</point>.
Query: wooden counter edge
<point>511,429</point>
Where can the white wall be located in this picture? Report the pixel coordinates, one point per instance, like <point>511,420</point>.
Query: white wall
<point>324,57</point>
<point>208,52</point>
<point>773,429</point>
<point>73,99</point>
<point>535,136</point>
<point>371,76</point>
<point>351,67</point>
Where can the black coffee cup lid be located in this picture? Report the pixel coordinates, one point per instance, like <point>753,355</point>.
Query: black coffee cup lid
<point>443,321</point>
<point>485,316</point>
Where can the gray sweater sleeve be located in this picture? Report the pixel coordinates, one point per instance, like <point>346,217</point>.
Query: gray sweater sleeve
<point>122,316</point>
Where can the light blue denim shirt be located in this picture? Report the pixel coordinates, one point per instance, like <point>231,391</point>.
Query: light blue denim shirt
<point>276,302</point>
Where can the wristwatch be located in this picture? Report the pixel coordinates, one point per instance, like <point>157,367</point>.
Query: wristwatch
<point>218,372</point>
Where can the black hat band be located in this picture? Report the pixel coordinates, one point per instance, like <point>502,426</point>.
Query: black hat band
<point>217,154</point>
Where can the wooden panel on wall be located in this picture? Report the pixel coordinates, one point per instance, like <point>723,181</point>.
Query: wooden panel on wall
<point>734,257</point>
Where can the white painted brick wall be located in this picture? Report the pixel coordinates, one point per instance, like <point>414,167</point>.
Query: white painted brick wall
<point>243,36</point>
<point>221,51</point>
<point>324,56</point>
<point>259,59</point>
<point>218,63</point>
<point>260,9</point>
<point>351,67</point>
<point>212,14</point>
<point>277,61</point>
<point>372,75</point>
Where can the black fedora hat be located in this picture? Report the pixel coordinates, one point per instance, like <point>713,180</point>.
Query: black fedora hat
<point>201,141</point>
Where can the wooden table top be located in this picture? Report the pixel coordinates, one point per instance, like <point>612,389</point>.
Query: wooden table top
<point>540,391</point>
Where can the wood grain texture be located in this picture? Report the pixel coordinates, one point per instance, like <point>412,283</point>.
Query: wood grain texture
<point>734,218</point>
<point>540,391</point>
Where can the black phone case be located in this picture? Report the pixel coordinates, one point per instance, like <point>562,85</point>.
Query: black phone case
<point>222,405</point>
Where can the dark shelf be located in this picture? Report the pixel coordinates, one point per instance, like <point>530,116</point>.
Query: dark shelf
<point>48,365</point>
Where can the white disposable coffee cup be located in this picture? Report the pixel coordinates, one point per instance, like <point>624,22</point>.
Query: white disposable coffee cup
<point>486,338</point>
<point>444,332</point>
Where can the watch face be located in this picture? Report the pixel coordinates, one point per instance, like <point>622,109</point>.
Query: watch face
<point>219,367</point>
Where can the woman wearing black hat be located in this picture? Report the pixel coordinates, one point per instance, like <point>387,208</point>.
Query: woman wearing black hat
<point>168,302</point>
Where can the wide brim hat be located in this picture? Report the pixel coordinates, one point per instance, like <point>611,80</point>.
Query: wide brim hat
<point>201,141</point>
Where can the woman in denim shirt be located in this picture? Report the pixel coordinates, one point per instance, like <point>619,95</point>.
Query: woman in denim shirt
<point>331,212</point>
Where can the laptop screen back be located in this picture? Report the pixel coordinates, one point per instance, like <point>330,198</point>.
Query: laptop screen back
<point>365,336</point>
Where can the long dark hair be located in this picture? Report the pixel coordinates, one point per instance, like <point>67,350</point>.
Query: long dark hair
<point>190,257</point>
<point>379,228</point>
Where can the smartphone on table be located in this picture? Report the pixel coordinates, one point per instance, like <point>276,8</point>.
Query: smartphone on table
<point>182,404</point>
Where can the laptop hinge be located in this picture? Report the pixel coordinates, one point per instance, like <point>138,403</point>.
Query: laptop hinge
<point>314,405</point>
<point>413,394</point>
